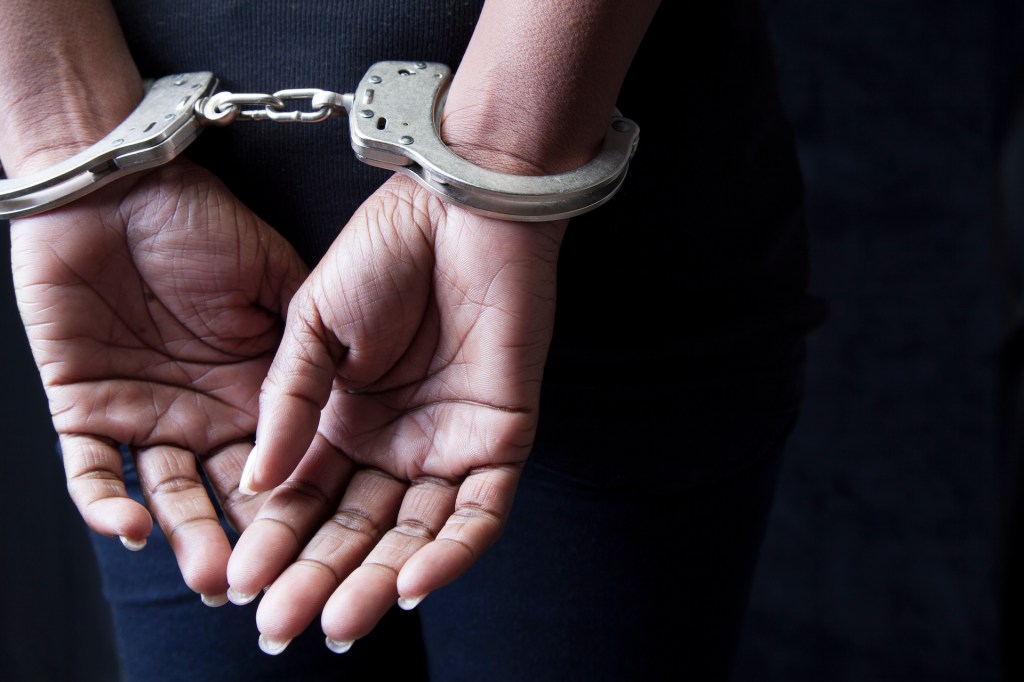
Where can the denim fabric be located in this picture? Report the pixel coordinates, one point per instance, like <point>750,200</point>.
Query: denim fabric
<point>592,580</point>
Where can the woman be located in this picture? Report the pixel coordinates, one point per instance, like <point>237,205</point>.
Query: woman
<point>558,487</point>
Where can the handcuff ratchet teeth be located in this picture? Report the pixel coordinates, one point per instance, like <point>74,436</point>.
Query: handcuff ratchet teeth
<point>394,123</point>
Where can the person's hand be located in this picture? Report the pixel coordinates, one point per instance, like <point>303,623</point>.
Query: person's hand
<point>153,309</point>
<point>406,389</point>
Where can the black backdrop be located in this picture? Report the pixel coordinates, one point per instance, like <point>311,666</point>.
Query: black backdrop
<point>880,558</point>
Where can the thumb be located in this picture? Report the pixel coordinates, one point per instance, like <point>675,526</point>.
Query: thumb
<point>297,387</point>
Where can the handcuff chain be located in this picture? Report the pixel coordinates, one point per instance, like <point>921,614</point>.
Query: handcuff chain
<point>224,108</point>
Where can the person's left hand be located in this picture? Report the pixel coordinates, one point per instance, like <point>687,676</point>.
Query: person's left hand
<point>153,309</point>
<point>408,384</point>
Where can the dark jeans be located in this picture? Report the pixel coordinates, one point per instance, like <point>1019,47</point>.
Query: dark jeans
<point>592,580</point>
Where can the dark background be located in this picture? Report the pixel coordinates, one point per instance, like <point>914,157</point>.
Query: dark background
<point>880,558</point>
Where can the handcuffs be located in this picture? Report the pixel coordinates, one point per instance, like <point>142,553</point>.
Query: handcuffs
<point>394,123</point>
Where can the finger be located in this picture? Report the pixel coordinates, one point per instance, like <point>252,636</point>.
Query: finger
<point>481,511</point>
<point>296,389</point>
<point>223,469</point>
<point>175,494</point>
<point>290,516</point>
<point>370,591</point>
<point>96,484</point>
<point>367,510</point>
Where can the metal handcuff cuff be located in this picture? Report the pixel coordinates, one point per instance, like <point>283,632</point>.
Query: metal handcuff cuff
<point>394,119</point>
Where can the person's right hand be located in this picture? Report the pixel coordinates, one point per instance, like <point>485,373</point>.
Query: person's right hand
<point>153,309</point>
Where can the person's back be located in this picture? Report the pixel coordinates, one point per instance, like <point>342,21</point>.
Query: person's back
<point>672,381</point>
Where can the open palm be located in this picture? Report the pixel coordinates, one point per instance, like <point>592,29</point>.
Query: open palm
<point>153,310</point>
<point>406,392</point>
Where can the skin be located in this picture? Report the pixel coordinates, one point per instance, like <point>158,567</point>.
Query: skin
<point>395,414</point>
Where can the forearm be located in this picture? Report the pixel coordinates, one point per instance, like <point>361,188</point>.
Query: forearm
<point>539,81</point>
<point>66,79</point>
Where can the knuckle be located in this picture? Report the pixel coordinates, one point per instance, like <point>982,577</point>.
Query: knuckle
<point>414,528</point>
<point>356,521</point>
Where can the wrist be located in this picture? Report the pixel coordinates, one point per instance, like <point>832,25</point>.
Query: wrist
<point>537,87</point>
<point>61,118</point>
<point>66,79</point>
<point>489,122</point>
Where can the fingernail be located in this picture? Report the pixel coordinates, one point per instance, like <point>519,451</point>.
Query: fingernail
<point>410,603</point>
<point>336,646</point>
<point>273,646</point>
<point>245,485</point>
<point>239,598</point>
<point>214,600</point>
<point>133,545</point>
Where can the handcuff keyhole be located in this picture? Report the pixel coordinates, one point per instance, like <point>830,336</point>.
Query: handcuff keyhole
<point>382,123</point>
